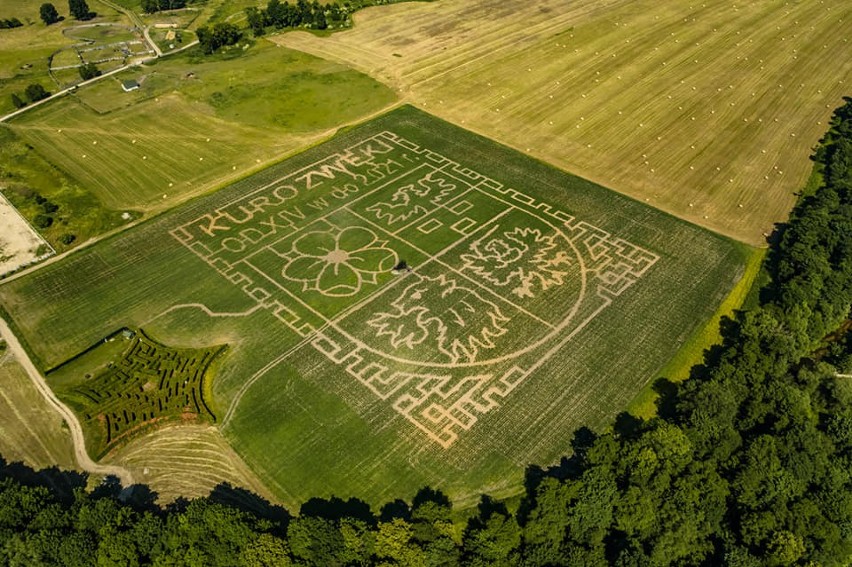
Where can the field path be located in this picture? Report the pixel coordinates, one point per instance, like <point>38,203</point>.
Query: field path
<point>137,22</point>
<point>83,459</point>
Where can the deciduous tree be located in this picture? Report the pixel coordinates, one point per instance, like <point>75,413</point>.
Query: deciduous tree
<point>48,13</point>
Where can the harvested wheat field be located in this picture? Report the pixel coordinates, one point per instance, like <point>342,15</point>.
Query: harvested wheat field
<point>705,110</point>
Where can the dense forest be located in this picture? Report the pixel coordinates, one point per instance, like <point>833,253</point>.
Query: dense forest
<point>749,462</point>
<point>278,15</point>
<point>302,13</point>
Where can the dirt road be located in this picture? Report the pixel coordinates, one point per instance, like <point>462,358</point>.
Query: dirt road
<point>83,459</point>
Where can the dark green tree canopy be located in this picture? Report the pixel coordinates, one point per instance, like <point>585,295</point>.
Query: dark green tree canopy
<point>48,13</point>
<point>80,10</point>
<point>36,92</point>
<point>89,71</point>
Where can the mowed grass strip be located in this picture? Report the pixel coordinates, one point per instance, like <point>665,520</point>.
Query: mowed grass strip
<point>185,461</point>
<point>304,424</point>
<point>196,123</point>
<point>137,157</point>
<point>707,110</point>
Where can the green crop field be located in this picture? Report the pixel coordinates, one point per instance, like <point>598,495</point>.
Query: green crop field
<point>530,302</point>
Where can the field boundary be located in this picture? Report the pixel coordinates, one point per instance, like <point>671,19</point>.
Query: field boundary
<point>691,353</point>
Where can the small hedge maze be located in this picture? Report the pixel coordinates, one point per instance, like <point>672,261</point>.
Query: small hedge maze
<point>150,384</point>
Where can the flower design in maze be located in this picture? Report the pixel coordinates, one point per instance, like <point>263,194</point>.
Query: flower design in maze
<point>438,317</point>
<point>523,258</point>
<point>338,265</point>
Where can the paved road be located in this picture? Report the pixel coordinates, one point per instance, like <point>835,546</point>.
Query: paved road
<point>83,459</point>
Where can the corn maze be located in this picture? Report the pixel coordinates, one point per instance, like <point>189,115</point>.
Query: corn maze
<point>150,384</point>
<point>498,281</point>
<point>405,304</point>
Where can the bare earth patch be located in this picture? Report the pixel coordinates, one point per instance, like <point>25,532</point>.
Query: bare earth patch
<point>20,244</point>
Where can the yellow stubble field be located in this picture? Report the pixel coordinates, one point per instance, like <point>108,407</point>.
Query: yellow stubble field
<point>705,110</point>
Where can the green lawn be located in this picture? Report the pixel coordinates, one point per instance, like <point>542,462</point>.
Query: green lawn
<point>528,313</point>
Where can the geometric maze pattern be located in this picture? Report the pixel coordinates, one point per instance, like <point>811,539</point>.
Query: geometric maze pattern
<point>501,281</point>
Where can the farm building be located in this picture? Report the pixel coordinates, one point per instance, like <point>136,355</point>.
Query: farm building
<point>129,85</point>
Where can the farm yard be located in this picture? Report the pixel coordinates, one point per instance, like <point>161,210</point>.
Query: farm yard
<point>406,304</point>
<point>705,110</point>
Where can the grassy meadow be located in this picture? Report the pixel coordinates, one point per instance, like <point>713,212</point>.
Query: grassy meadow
<point>303,423</point>
<point>31,431</point>
<point>705,110</point>
<point>26,175</point>
<point>196,123</point>
<point>24,51</point>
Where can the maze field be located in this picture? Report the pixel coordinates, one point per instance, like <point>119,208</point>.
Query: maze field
<point>147,386</point>
<point>497,283</point>
<point>407,304</point>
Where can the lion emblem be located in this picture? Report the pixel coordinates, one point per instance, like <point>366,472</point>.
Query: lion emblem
<point>439,315</point>
<point>413,199</point>
<point>523,258</point>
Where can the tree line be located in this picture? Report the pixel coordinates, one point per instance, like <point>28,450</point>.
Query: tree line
<point>33,93</point>
<point>152,6</point>
<point>77,8</point>
<point>748,463</point>
<point>311,15</point>
<point>10,23</point>
<point>277,15</point>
